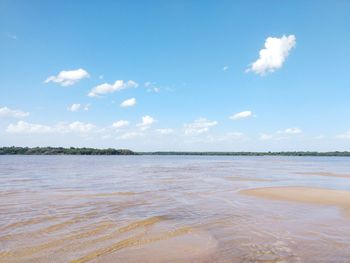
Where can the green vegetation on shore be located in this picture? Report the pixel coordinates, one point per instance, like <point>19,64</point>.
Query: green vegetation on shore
<point>296,153</point>
<point>110,151</point>
<point>63,151</point>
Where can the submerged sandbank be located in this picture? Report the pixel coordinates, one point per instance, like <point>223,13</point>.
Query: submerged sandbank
<point>319,196</point>
<point>325,174</point>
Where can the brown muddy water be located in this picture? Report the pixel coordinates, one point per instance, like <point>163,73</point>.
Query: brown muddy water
<point>174,209</point>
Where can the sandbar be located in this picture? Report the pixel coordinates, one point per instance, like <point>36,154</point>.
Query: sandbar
<point>319,196</point>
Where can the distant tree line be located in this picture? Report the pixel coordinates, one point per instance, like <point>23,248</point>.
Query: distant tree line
<point>110,151</point>
<point>296,153</point>
<point>63,151</point>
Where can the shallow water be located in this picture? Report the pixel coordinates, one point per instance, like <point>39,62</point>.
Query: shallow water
<point>168,209</point>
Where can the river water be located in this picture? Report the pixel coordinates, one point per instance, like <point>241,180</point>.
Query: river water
<point>168,209</point>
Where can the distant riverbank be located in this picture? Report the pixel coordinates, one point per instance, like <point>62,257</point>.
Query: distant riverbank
<point>296,153</point>
<point>110,151</point>
<point>63,151</point>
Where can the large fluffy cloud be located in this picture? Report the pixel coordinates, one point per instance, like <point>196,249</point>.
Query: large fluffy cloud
<point>7,112</point>
<point>110,88</point>
<point>199,126</point>
<point>273,55</point>
<point>68,77</point>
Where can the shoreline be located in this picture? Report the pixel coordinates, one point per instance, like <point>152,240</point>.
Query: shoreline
<point>111,151</point>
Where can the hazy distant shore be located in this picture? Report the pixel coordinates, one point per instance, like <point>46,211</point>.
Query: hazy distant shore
<point>110,151</point>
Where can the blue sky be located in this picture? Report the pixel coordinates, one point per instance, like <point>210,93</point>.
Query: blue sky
<point>183,69</point>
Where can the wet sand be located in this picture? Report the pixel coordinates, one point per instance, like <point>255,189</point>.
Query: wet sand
<point>310,195</point>
<point>247,179</point>
<point>325,174</point>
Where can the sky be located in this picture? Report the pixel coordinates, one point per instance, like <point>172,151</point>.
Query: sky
<point>176,75</point>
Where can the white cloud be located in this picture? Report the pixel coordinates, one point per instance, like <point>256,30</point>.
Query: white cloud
<point>129,135</point>
<point>225,68</point>
<point>74,107</point>
<point>110,88</point>
<point>228,137</point>
<point>273,55</point>
<point>128,103</point>
<point>80,127</point>
<point>199,126</point>
<point>154,89</point>
<point>147,121</point>
<point>344,136</point>
<point>241,115</point>
<point>320,137</point>
<point>25,127</point>
<point>120,124</point>
<point>7,112</point>
<point>151,87</point>
<point>281,134</point>
<point>29,128</point>
<point>78,106</point>
<point>290,131</point>
<point>165,131</point>
<point>265,136</point>
<point>68,77</point>
<point>87,107</point>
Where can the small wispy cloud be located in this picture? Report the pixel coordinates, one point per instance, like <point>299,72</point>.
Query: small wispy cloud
<point>345,136</point>
<point>281,134</point>
<point>68,77</point>
<point>225,68</point>
<point>146,122</point>
<point>7,112</point>
<point>130,135</point>
<point>25,127</point>
<point>120,124</point>
<point>110,88</point>
<point>74,107</point>
<point>228,137</point>
<point>128,103</point>
<point>22,127</point>
<point>165,131</point>
<point>241,115</point>
<point>265,136</point>
<point>320,137</point>
<point>290,131</point>
<point>152,87</point>
<point>199,126</point>
<point>11,36</point>
<point>78,106</point>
